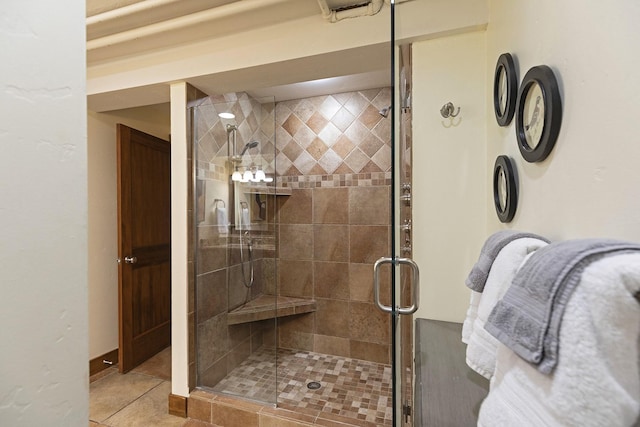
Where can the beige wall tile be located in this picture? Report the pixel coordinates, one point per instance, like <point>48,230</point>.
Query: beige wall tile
<point>369,206</point>
<point>296,241</point>
<point>212,294</point>
<point>368,323</point>
<point>368,243</point>
<point>370,351</point>
<point>331,318</point>
<point>331,205</point>
<point>295,278</point>
<point>331,345</point>
<point>330,243</point>
<point>296,208</point>
<point>331,280</point>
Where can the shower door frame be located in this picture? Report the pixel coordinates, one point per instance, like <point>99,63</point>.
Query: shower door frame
<point>405,281</point>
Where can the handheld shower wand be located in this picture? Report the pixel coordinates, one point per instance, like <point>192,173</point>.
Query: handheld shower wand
<point>248,145</point>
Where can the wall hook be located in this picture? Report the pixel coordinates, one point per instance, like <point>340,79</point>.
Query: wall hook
<point>448,109</point>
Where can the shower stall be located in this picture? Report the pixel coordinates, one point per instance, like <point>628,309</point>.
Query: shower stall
<point>294,203</point>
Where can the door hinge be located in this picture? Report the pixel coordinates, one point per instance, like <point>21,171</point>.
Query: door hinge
<point>406,411</point>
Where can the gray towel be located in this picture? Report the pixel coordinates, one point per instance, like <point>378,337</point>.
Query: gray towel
<point>494,244</point>
<point>527,319</point>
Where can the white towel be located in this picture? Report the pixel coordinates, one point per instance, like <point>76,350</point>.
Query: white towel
<point>597,379</point>
<point>222,220</point>
<point>481,346</point>
<point>472,314</point>
<point>245,219</point>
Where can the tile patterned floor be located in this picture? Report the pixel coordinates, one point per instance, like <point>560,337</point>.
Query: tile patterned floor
<point>351,388</point>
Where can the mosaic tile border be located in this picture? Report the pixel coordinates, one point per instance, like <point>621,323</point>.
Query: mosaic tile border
<point>336,180</point>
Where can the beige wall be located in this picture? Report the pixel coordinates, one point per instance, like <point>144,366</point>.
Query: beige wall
<point>585,188</point>
<point>588,186</point>
<point>103,233</point>
<point>449,203</point>
<point>43,214</point>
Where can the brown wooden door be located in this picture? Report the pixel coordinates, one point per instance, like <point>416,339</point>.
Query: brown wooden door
<point>144,246</point>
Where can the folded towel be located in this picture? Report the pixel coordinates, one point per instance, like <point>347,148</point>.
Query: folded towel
<point>498,240</point>
<point>245,219</point>
<point>222,220</point>
<point>482,347</point>
<point>597,379</point>
<point>472,314</point>
<point>527,319</point>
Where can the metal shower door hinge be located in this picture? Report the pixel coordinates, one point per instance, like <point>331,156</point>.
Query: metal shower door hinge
<point>406,411</point>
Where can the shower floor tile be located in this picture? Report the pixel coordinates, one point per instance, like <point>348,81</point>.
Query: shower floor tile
<point>349,388</point>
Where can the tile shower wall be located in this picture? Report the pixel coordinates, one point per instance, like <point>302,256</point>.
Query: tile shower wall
<point>334,152</point>
<point>219,286</point>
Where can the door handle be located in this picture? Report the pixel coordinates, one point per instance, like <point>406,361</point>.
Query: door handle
<point>376,284</point>
<point>415,284</point>
<point>130,259</point>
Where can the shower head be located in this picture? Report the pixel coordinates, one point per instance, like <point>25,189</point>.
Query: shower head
<point>249,145</point>
<point>385,111</point>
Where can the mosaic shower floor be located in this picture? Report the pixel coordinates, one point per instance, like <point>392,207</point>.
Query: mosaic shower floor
<point>348,387</point>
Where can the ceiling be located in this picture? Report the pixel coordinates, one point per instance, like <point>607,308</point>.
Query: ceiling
<point>124,28</point>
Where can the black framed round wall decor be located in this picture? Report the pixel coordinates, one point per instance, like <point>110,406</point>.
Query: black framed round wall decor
<point>505,89</point>
<point>538,114</point>
<point>505,192</point>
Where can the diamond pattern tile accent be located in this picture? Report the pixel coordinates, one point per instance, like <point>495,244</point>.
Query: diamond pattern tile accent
<point>330,134</point>
<point>330,161</point>
<point>356,160</point>
<point>316,122</point>
<point>305,162</point>
<point>329,107</point>
<point>292,124</point>
<point>304,136</point>
<point>304,110</point>
<point>356,104</point>
<point>334,134</point>
<point>383,159</point>
<point>370,145</point>
<point>343,119</point>
<point>317,148</point>
<point>292,150</point>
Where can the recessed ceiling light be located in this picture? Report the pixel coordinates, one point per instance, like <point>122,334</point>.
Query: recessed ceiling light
<point>226,115</point>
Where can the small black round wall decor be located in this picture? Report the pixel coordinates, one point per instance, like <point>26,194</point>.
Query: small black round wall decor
<point>538,114</point>
<point>505,89</point>
<point>505,193</point>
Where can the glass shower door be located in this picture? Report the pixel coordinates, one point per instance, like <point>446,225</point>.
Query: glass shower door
<point>405,280</point>
<point>234,222</point>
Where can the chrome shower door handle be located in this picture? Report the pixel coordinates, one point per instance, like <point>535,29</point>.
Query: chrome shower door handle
<point>415,284</point>
<point>376,284</point>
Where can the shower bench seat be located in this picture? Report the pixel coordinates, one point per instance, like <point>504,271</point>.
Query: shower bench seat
<point>265,307</point>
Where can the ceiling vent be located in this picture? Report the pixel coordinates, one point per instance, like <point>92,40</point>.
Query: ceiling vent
<point>336,10</point>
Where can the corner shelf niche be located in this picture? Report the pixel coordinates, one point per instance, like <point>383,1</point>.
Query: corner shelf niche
<point>265,307</point>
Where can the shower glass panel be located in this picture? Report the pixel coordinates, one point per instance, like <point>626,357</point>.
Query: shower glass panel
<point>234,240</point>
